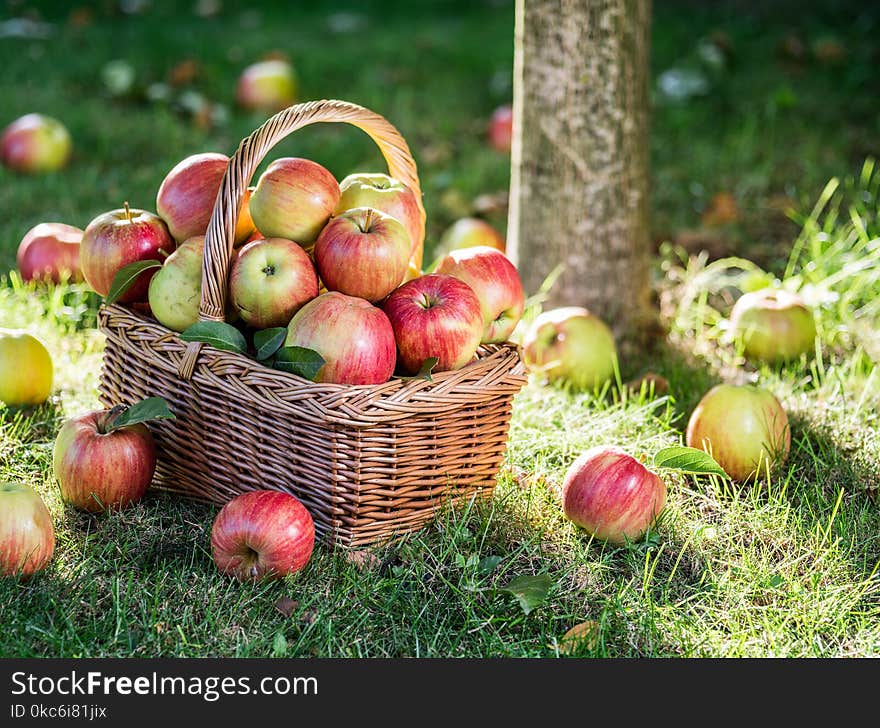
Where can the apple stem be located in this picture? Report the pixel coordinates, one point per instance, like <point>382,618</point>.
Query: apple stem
<point>127,211</point>
<point>368,220</point>
<point>105,423</point>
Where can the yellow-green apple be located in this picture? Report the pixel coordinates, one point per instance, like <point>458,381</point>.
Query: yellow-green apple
<point>175,290</point>
<point>389,195</point>
<point>611,495</point>
<point>50,251</point>
<point>187,194</point>
<point>773,325</point>
<point>117,238</point>
<point>99,467</point>
<point>468,232</point>
<point>362,252</point>
<point>27,535</point>
<point>244,227</point>
<point>570,344</point>
<point>435,316</point>
<point>497,284</point>
<point>354,338</point>
<point>294,198</point>
<point>743,427</point>
<point>25,369</point>
<point>262,534</point>
<point>501,128</point>
<point>269,85</point>
<point>270,281</point>
<point>35,143</point>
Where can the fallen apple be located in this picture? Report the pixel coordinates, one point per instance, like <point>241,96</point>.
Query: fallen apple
<point>262,534</point>
<point>743,427</point>
<point>500,129</point>
<point>27,535</point>
<point>773,325</point>
<point>26,369</point>
<point>49,251</point>
<point>269,85</point>
<point>468,232</point>
<point>188,192</point>
<point>35,143</point>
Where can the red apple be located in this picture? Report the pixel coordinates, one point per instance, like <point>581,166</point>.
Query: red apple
<point>497,284</point>
<point>117,238</point>
<point>743,427</point>
<point>262,534</point>
<point>501,128</point>
<point>186,196</point>
<point>27,535</point>
<point>35,143</point>
<point>362,252</point>
<point>611,495</point>
<point>269,86</point>
<point>294,198</point>
<point>270,281</point>
<point>773,325</point>
<point>50,251</point>
<point>99,468</point>
<point>468,232</point>
<point>435,315</point>
<point>571,345</point>
<point>354,338</point>
<point>386,194</point>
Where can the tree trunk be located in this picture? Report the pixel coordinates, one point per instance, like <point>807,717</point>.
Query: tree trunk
<point>579,175</point>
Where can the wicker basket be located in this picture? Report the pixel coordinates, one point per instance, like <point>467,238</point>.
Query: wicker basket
<point>370,462</point>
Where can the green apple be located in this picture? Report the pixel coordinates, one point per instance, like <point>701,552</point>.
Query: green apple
<point>176,288</point>
<point>35,143</point>
<point>773,325</point>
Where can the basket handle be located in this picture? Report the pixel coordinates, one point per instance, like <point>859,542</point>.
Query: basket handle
<point>242,165</point>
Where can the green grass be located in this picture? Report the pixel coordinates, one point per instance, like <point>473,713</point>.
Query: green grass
<point>786,568</point>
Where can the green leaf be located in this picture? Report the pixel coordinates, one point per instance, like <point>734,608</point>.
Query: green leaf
<point>279,645</point>
<point>151,408</point>
<point>218,334</point>
<point>688,460</point>
<point>488,563</point>
<point>126,276</point>
<point>529,590</point>
<point>425,370</point>
<point>298,360</point>
<point>268,341</point>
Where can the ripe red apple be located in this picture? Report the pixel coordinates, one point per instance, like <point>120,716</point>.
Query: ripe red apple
<point>26,369</point>
<point>386,194</point>
<point>187,194</point>
<point>117,238</point>
<point>50,251</point>
<point>743,427</point>
<point>611,495</point>
<point>354,338</point>
<point>435,315</point>
<point>262,534</point>
<point>270,281</point>
<point>27,535</point>
<point>570,344</point>
<point>35,143</point>
<point>294,198</point>
<point>468,232</point>
<point>99,468</point>
<point>501,128</point>
<point>497,284</point>
<point>269,86</point>
<point>362,252</point>
<point>773,325</point>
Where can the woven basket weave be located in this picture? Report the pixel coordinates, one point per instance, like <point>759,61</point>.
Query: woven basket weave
<point>370,462</point>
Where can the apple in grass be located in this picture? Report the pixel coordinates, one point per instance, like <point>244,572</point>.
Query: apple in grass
<point>363,252</point>
<point>500,129</point>
<point>49,251</point>
<point>27,534</point>
<point>117,238</point>
<point>35,143</point>
<point>294,198</point>
<point>611,495</point>
<point>743,427</point>
<point>26,369</point>
<point>469,232</point>
<point>773,325</point>
<point>572,345</point>
<point>270,281</point>
<point>497,284</point>
<point>435,316</point>
<point>187,194</point>
<point>269,85</point>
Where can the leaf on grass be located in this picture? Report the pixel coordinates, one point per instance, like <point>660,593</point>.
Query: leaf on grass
<point>268,341</point>
<point>425,370</point>
<point>151,408</point>
<point>286,606</point>
<point>279,645</point>
<point>298,360</point>
<point>583,636</point>
<point>218,334</point>
<point>126,277</point>
<point>687,460</point>
<point>488,563</point>
<point>363,559</point>
<point>529,590</point>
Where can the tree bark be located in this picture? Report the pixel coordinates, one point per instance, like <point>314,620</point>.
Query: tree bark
<point>580,155</point>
